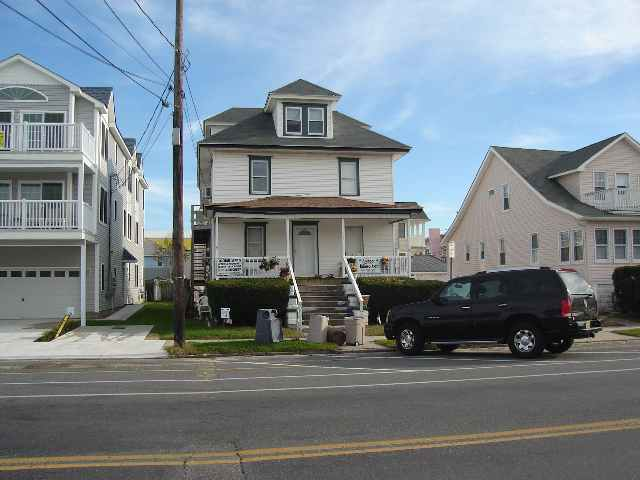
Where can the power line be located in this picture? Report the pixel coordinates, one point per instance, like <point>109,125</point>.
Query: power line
<point>113,40</point>
<point>154,24</point>
<point>95,50</point>
<point>155,140</point>
<point>193,142</point>
<point>195,107</point>
<point>162,103</point>
<point>134,37</point>
<point>67,42</point>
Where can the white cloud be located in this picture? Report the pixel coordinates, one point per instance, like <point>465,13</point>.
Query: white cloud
<point>541,138</point>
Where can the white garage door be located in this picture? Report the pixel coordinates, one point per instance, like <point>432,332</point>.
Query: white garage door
<point>38,293</point>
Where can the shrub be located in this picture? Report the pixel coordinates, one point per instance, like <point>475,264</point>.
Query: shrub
<point>387,292</point>
<point>626,285</point>
<point>245,296</point>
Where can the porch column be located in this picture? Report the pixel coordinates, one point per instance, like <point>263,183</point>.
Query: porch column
<point>97,277</point>
<point>81,197</point>
<point>287,230</point>
<point>83,284</point>
<point>215,247</point>
<point>343,244</point>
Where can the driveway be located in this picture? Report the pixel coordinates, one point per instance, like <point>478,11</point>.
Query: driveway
<point>17,342</point>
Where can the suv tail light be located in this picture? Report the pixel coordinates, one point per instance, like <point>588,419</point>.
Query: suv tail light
<point>565,307</point>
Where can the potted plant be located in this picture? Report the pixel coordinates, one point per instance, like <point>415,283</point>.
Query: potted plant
<point>285,273</point>
<point>268,264</point>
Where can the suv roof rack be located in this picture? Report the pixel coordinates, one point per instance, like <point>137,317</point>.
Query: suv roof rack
<point>511,269</point>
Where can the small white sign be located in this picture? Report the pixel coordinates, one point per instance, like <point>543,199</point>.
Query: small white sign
<point>225,313</point>
<point>451,249</point>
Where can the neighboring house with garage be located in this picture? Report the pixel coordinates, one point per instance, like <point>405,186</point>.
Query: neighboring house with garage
<point>71,198</point>
<point>575,209</point>
<point>303,182</point>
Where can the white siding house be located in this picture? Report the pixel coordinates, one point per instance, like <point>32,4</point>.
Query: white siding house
<point>65,173</point>
<point>576,209</point>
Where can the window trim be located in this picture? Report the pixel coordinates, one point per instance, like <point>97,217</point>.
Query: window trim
<point>262,225</point>
<point>564,262</point>
<point>626,245</point>
<point>505,191</point>
<point>356,161</point>
<point>537,249</point>
<point>253,158</point>
<point>324,123</point>
<point>286,126</point>
<point>596,245</point>
<point>46,98</point>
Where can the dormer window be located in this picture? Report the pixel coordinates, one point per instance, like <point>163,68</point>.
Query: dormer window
<point>293,120</point>
<point>315,121</point>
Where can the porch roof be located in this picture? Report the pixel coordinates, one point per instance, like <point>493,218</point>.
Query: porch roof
<point>282,204</point>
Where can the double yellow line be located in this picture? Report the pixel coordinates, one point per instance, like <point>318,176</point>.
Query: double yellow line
<point>310,451</point>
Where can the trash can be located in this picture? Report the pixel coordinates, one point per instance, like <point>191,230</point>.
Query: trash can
<point>268,326</point>
<point>318,329</point>
<point>355,328</point>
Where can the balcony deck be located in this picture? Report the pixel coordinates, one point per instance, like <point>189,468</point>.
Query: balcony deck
<point>623,200</point>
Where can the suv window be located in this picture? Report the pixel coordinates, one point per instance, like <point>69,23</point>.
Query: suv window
<point>576,285</point>
<point>533,283</point>
<point>457,291</point>
<point>490,288</point>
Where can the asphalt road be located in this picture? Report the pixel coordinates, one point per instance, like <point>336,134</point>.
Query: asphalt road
<point>472,414</point>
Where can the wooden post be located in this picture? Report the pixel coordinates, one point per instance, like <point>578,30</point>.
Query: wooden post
<point>287,229</point>
<point>344,247</point>
<point>178,214</point>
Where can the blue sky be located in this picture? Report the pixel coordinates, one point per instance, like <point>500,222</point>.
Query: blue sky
<point>449,78</point>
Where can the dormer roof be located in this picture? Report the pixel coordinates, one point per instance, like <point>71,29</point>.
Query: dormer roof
<point>303,87</point>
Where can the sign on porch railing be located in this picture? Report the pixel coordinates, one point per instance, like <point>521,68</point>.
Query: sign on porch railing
<point>229,267</point>
<point>380,265</point>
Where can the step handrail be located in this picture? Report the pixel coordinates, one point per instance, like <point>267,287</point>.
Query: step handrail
<point>353,281</point>
<point>296,290</point>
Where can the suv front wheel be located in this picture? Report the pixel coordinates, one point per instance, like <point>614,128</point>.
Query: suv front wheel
<point>526,340</point>
<point>560,345</point>
<point>410,339</point>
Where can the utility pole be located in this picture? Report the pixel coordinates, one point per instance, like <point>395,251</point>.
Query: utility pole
<point>178,221</point>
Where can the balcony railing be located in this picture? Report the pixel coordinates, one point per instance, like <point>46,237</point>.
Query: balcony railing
<point>380,266</point>
<point>614,199</point>
<point>38,214</point>
<point>46,137</point>
<point>249,267</point>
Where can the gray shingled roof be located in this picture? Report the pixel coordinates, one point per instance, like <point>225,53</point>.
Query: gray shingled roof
<point>572,160</point>
<point>130,143</point>
<point>427,263</point>
<point>303,87</point>
<point>259,131</point>
<point>535,167</point>
<point>102,94</point>
<point>234,115</point>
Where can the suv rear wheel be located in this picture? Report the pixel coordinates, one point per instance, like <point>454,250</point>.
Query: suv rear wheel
<point>410,339</point>
<point>526,340</point>
<point>560,345</point>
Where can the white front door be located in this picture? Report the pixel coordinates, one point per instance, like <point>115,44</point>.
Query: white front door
<point>305,250</point>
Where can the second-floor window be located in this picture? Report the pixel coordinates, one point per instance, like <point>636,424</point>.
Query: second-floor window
<point>622,180</point>
<point>104,206</point>
<point>259,175</point>
<point>104,148</point>
<point>315,121</point>
<point>137,232</point>
<point>535,258</point>
<point>129,226</point>
<point>293,120</point>
<point>124,223</point>
<point>565,247</point>
<point>349,170</point>
<point>130,180</point>
<point>506,197</point>
<point>599,181</point>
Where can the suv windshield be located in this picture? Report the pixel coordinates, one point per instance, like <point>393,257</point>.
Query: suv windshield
<point>576,285</point>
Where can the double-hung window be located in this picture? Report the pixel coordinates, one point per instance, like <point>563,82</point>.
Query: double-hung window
<point>506,197</point>
<point>255,240</point>
<point>502,252</point>
<point>602,244</point>
<point>104,206</point>
<point>315,121</point>
<point>293,120</point>
<point>599,181</point>
<point>635,244</point>
<point>259,175</point>
<point>349,171</point>
<point>535,258</point>
<point>578,246</point>
<point>620,244</point>
<point>467,253</point>
<point>622,181</point>
<point>565,247</point>
<point>482,251</point>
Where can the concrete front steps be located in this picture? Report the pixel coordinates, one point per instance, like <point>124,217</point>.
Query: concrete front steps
<point>324,297</point>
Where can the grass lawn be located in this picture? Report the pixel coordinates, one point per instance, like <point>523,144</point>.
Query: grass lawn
<point>249,347</point>
<point>632,332</point>
<point>386,343</point>
<point>160,315</point>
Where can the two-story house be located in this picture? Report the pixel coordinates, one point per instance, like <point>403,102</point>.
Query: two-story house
<point>71,198</point>
<point>300,181</point>
<point>577,209</point>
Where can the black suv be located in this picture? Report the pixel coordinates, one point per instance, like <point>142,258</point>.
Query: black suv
<point>528,309</point>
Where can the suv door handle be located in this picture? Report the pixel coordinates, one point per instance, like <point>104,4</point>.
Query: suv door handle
<point>465,307</point>
<point>503,305</point>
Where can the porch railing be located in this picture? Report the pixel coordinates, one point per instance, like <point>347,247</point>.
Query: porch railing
<point>39,214</point>
<point>380,266</point>
<point>46,137</point>
<point>249,267</point>
<point>614,199</point>
<point>352,279</point>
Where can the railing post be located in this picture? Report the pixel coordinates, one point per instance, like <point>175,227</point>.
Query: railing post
<point>23,208</point>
